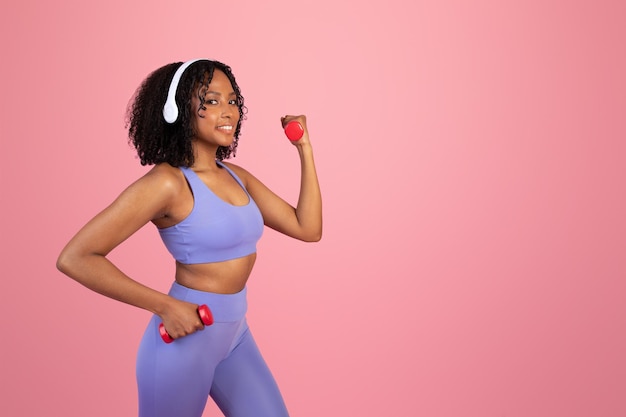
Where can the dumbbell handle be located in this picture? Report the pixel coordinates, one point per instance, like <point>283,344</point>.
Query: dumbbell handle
<point>294,131</point>
<point>205,315</point>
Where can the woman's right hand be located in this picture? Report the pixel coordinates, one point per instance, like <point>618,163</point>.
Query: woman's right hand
<point>181,318</point>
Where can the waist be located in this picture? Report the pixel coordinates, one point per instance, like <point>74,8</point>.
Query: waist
<point>225,277</point>
<point>224,307</point>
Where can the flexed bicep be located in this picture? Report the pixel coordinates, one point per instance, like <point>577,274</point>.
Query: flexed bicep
<point>278,214</point>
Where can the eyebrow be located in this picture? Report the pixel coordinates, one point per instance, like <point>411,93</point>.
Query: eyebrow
<point>217,93</point>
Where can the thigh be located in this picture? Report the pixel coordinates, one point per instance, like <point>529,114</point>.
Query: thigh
<point>243,385</point>
<point>174,379</point>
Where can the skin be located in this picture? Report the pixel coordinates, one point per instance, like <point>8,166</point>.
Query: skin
<point>163,197</point>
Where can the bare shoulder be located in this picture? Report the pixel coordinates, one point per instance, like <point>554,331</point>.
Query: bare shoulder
<point>163,178</point>
<point>155,195</point>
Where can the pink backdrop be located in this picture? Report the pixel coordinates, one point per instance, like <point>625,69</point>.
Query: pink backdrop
<point>472,160</point>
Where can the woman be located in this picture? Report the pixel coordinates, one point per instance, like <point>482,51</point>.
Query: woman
<point>185,119</point>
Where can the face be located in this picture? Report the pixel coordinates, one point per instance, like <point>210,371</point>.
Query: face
<point>216,121</point>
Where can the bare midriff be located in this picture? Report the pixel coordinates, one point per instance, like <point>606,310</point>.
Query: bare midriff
<point>226,277</point>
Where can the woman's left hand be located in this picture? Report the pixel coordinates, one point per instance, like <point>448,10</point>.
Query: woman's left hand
<point>300,119</point>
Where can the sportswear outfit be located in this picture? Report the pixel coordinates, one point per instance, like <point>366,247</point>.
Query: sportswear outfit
<point>222,361</point>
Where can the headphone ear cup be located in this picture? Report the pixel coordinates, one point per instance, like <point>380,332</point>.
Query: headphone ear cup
<point>170,109</point>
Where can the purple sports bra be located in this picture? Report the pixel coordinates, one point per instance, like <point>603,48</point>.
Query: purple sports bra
<point>215,230</point>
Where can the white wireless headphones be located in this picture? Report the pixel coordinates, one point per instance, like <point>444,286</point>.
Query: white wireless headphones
<point>170,110</point>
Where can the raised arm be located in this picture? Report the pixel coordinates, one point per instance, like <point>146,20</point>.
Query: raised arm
<point>303,222</point>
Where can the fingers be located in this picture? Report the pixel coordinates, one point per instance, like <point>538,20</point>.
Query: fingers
<point>170,334</point>
<point>184,320</point>
<point>289,118</point>
<point>190,327</point>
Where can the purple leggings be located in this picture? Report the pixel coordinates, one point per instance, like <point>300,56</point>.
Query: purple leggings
<point>223,361</point>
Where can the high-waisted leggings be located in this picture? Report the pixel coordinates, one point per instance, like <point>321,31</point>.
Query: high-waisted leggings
<point>223,361</point>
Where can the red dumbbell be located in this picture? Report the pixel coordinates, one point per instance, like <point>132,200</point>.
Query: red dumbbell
<point>205,315</point>
<point>294,131</point>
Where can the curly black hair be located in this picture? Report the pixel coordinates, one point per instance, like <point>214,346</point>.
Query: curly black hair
<point>156,140</point>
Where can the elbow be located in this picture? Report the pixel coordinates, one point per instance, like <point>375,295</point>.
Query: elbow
<point>63,263</point>
<point>66,262</point>
<point>313,237</point>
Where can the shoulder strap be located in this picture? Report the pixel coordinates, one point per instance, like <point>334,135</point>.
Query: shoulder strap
<point>230,171</point>
<point>195,183</point>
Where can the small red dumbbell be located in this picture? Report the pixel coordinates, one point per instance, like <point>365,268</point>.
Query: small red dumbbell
<point>294,131</point>
<point>205,315</point>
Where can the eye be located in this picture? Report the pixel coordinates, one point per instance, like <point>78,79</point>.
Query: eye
<point>211,101</point>
<point>232,102</point>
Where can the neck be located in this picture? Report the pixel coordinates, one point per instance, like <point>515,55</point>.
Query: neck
<point>204,158</point>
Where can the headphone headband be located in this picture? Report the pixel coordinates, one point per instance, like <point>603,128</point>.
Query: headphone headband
<point>170,110</point>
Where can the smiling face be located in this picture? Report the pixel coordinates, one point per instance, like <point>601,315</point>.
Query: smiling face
<point>216,113</point>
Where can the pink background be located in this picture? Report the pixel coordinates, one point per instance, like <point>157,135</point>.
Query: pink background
<point>472,160</point>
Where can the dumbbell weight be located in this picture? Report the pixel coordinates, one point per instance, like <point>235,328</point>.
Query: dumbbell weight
<point>205,315</point>
<point>294,131</point>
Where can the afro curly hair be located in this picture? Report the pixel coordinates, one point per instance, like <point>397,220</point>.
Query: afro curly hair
<point>157,141</point>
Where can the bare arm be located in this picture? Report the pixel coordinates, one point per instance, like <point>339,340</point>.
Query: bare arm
<point>84,257</point>
<point>304,221</point>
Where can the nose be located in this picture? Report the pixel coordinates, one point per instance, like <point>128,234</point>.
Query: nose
<point>227,109</point>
